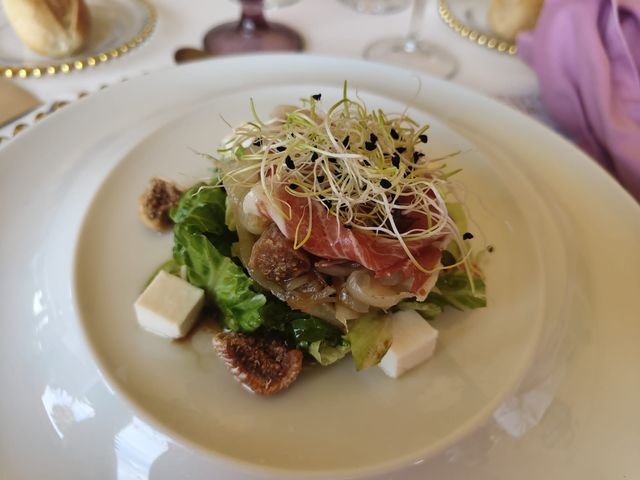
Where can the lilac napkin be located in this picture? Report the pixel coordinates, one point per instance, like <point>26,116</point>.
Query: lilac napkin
<point>586,54</point>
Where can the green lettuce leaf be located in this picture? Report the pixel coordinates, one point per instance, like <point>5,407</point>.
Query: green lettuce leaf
<point>457,214</point>
<point>428,309</point>
<point>203,208</point>
<point>370,337</point>
<point>229,217</point>
<point>202,246</point>
<point>326,354</point>
<point>224,282</point>
<point>296,328</point>
<point>307,329</point>
<point>453,288</point>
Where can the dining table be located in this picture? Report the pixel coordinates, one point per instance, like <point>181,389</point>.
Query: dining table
<point>557,387</point>
<point>328,27</point>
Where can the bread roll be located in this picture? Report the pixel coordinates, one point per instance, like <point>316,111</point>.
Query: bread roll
<point>54,28</point>
<point>508,17</point>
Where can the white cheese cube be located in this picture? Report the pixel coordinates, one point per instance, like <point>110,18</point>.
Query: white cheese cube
<point>169,306</point>
<point>413,342</point>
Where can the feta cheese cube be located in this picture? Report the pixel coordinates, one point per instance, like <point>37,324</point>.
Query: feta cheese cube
<point>414,341</point>
<point>169,306</point>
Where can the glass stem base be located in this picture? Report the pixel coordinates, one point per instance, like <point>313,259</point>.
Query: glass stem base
<point>415,54</point>
<point>248,36</point>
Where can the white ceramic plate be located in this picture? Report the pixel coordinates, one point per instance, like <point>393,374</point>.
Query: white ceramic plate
<point>167,411</point>
<point>482,354</point>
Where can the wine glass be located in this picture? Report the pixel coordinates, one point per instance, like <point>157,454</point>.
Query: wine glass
<point>411,51</point>
<point>252,33</point>
<point>377,7</point>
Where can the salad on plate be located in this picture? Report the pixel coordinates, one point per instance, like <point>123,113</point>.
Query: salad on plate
<point>321,233</point>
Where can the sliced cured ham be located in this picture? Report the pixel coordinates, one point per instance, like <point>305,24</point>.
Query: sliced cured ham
<point>329,239</point>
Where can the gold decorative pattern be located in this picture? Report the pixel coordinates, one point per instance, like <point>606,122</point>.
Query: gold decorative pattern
<point>484,40</point>
<point>13,71</point>
<point>19,127</point>
<point>52,108</point>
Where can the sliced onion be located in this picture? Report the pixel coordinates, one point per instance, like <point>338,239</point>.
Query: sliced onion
<point>250,216</point>
<point>323,294</point>
<point>326,312</point>
<point>346,299</point>
<point>426,287</point>
<point>237,187</point>
<point>297,282</point>
<point>363,287</point>
<point>392,280</point>
<point>244,245</point>
<point>344,313</point>
<point>336,268</point>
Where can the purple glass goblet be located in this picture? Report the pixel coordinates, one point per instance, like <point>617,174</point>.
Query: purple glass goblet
<point>252,33</point>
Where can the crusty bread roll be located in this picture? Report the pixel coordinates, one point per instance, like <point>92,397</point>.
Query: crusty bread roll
<point>55,28</point>
<point>508,17</point>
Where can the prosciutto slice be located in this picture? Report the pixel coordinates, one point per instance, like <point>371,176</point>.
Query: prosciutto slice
<point>330,239</point>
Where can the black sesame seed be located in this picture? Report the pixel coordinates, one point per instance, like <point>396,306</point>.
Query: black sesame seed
<point>407,172</point>
<point>343,208</point>
<point>423,138</point>
<point>293,186</point>
<point>467,236</point>
<point>314,156</point>
<point>401,149</point>
<point>332,160</point>
<point>257,142</point>
<point>327,203</point>
<point>370,146</point>
<point>384,183</point>
<point>320,178</point>
<point>490,249</point>
<point>417,156</point>
<point>317,96</point>
<point>373,138</point>
<point>395,160</point>
<point>289,163</point>
<point>281,148</point>
<point>345,141</point>
<point>394,134</point>
<point>447,258</point>
<point>366,162</point>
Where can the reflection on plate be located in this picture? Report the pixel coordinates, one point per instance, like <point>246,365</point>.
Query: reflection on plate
<point>118,26</point>
<point>481,354</point>
<point>468,18</point>
<point>579,394</point>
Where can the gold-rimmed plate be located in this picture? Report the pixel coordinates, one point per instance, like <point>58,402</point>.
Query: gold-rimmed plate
<point>118,26</point>
<point>468,18</point>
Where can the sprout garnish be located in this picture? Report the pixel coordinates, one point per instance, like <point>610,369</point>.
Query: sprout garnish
<point>363,166</point>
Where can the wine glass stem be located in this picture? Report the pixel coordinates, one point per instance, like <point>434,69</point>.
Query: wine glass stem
<point>252,16</point>
<point>417,17</point>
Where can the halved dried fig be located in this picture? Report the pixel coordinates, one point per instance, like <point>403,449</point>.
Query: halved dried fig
<point>264,366</point>
<point>156,202</point>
